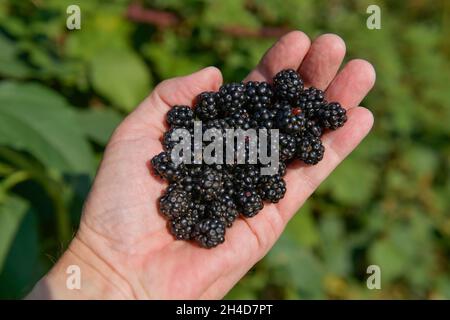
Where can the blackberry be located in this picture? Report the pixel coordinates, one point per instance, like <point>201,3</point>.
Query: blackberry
<point>165,168</point>
<point>246,176</point>
<point>180,117</point>
<point>282,105</point>
<point>309,148</point>
<point>206,107</point>
<point>210,232</point>
<point>175,202</point>
<point>249,202</point>
<point>231,97</point>
<point>272,188</point>
<point>287,146</point>
<point>313,128</point>
<point>310,101</point>
<point>259,95</point>
<point>183,227</point>
<point>209,184</point>
<point>290,120</point>
<point>331,116</point>
<point>239,120</point>
<point>288,84</point>
<point>263,119</point>
<point>224,209</point>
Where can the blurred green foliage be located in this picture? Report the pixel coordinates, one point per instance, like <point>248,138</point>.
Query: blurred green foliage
<point>62,93</point>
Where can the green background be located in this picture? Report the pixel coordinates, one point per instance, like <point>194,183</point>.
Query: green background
<point>62,93</point>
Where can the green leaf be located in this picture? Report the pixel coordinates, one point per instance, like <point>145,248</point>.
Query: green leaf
<point>38,120</point>
<point>12,211</point>
<point>22,268</point>
<point>352,182</point>
<point>390,259</point>
<point>98,125</point>
<point>302,227</point>
<point>229,13</point>
<point>10,65</point>
<point>121,76</point>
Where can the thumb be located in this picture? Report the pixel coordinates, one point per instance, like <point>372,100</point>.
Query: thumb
<point>149,116</point>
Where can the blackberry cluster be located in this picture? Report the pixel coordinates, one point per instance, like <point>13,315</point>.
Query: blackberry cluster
<point>203,200</point>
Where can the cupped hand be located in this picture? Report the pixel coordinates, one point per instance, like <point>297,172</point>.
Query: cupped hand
<point>123,242</point>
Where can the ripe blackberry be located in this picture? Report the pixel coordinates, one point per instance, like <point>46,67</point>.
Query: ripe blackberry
<point>208,184</point>
<point>263,118</point>
<point>313,128</point>
<point>239,119</point>
<point>259,95</point>
<point>165,168</point>
<point>224,209</point>
<point>246,176</point>
<point>210,232</point>
<point>180,117</point>
<point>290,120</point>
<point>231,97</point>
<point>331,116</point>
<point>206,107</point>
<point>271,188</point>
<point>310,100</point>
<point>309,148</point>
<point>183,227</point>
<point>288,84</point>
<point>287,146</point>
<point>249,202</point>
<point>175,202</point>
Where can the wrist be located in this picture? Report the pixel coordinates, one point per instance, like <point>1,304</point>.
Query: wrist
<point>81,274</point>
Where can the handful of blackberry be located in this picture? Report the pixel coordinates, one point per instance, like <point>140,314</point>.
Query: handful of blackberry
<point>204,198</point>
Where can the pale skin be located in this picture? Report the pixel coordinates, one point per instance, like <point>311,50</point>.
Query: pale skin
<point>123,247</point>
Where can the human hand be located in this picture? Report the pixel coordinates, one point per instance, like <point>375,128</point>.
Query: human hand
<point>123,247</point>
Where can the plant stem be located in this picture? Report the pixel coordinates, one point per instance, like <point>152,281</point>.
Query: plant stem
<point>53,188</point>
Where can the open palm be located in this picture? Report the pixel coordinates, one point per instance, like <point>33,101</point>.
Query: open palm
<point>121,224</point>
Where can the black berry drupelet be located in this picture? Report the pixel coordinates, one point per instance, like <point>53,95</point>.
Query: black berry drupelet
<point>259,95</point>
<point>175,202</point>
<point>224,209</point>
<point>210,232</point>
<point>165,168</point>
<point>206,107</point>
<point>309,148</point>
<point>272,188</point>
<point>231,97</point>
<point>249,202</point>
<point>288,84</point>
<point>180,117</point>
<point>331,116</point>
